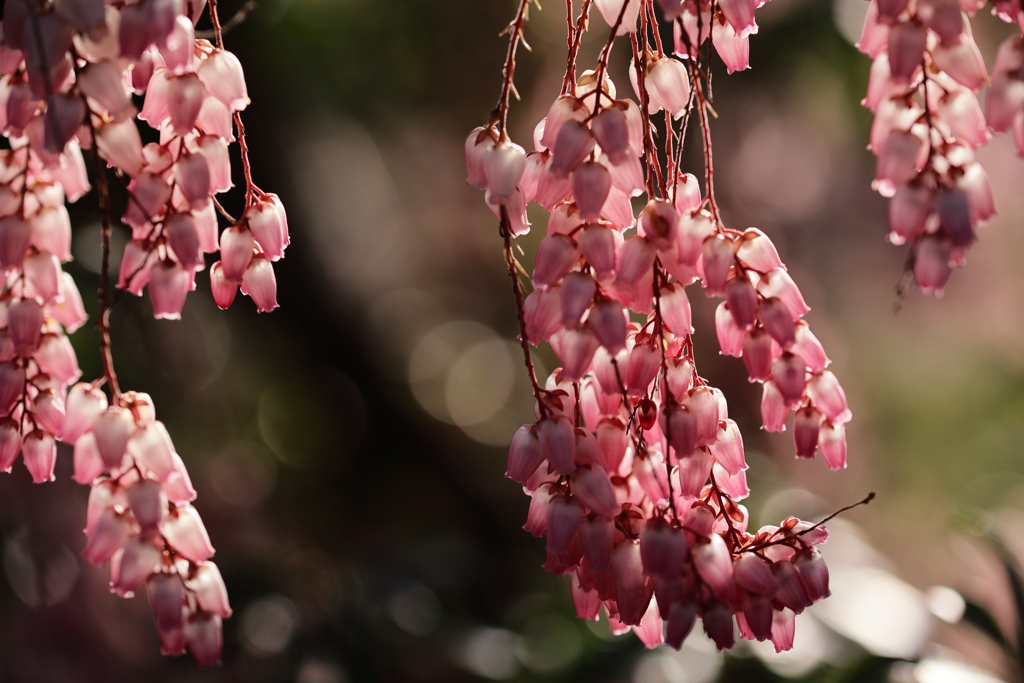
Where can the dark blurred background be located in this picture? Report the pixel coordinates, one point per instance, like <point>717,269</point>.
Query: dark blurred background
<point>349,448</point>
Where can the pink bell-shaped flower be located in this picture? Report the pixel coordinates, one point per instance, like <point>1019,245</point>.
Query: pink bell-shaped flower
<point>577,293</point>
<point>185,532</point>
<point>591,486</point>
<point>597,243</point>
<point>221,74</point>
<point>558,443</point>
<point>168,287</point>
<point>728,448</point>
<point>791,592</point>
<point>87,461</point>
<point>192,178</point>
<point>12,385</point>
<point>524,454</point>
<point>120,145</point>
<point>703,403</point>
<point>675,309</point>
<point>644,362</point>
<point>907,43</point>
<point>564,516</point>
<point>806,426</point>
<point>167,598</point>
<point>260,283</point>
<point>224,290</point>
<point>713,564</point>
<point>112,429</point>
<point>730,336</point>
<point>107,536</point>
<point>813,572</point>
<point>828,396</point>
<point>597,536</point>
<point>718,625</point>
<point>809,348</point>
<point>668,83</point>
<point>24,324</point>
<point>269,225</point>
<point>15,236</point>
<point>753,574</point>
<point>236,245</point>
<point>662,550</point>
<point>575,349</point>
<point>574,143</point>
<point>897,162</point>
<point>40,453</point>
<point>774,409</point>
<point>789,374</point>
<point>908,210</point>
<point>152,449</point>
<point>42,270</point>
<point>64,114</point>
<point>48,409</point>
<point>504,168</point>
<point>778,283</point>
<point>10,443</point>
<point>185,95</point>
<point>777,320</point>
<point>635,260</point>
<point>591,183</point>
<point>733,47</point>
<point>204,635</point>
<point>50,231</point>
<point>209,589</point>
<point>556,255</point>
<point>137,561</point>
<point>832,442</point>
<point>740,15</point>
<point>183,238</point>
<point>148,503</point>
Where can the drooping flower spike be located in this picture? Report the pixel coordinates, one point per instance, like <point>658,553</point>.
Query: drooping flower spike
<point>634,468</point>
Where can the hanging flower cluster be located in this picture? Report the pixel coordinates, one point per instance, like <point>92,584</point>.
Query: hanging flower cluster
<point>68,73</point>
<point>634,469</point>
<point>929,123</point>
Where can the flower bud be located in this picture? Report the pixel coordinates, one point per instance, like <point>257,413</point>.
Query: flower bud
<point>269,225</point>
<point>138,560</point>
<point>203,632</point>
<point>148,503</point>
<point>828,396</point>
<point>151,448</point>
<point>754,575</point>
<point>120,145</point>
<point>42,270</point>
<point>40,453</point>
<point>597,243</point>
<point>504,167</point>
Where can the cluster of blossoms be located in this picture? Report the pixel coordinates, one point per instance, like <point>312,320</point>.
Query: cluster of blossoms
<point>633,467</point>
<point>929,123</point>
<point>68,72</point>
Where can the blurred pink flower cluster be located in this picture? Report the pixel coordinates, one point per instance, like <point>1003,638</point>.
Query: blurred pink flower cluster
<point>929,124</point>
<point>68,73</point>
<point>634,469</point>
